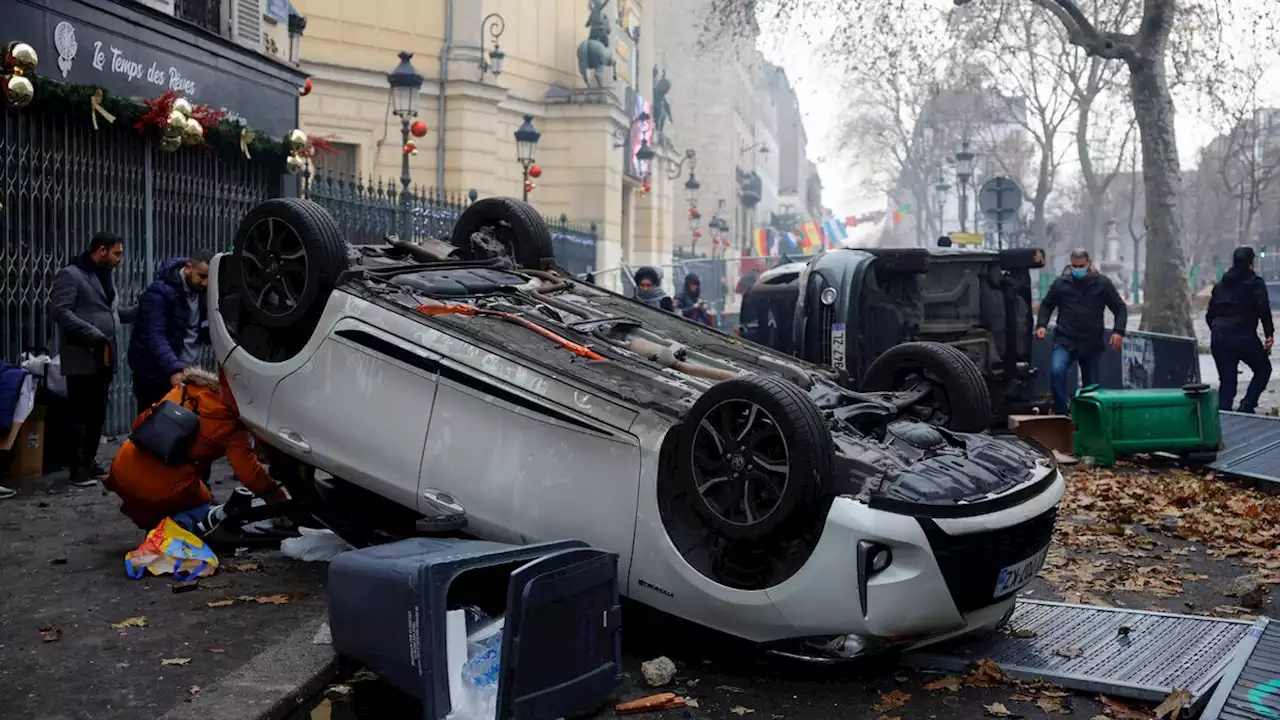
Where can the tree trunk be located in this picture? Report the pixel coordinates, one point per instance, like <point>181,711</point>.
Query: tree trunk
<point>1167,303</point>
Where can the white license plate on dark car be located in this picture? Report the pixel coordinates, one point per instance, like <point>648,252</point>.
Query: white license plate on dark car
<point>1019,574</point>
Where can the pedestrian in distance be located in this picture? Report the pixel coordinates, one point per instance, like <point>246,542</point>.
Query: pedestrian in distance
<point>1079,296</point>
<point>1236,306</point>
<point>169,327</point>
<point>86,308</point>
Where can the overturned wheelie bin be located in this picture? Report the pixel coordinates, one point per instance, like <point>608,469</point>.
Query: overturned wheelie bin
<point>1111,423</point>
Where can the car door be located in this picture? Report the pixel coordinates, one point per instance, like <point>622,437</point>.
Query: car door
<point>359,407</point>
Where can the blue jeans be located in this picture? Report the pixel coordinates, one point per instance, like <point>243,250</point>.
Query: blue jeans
<point>188,518</point>
<point>1090,367</point>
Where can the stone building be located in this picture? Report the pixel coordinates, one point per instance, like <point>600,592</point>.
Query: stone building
<point>588,134</point>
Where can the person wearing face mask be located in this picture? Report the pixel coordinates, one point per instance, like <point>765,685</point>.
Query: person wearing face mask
<point>1079,296</point>
<point>167,331</point>
<point>1237,306</point>
<point>649,288</point>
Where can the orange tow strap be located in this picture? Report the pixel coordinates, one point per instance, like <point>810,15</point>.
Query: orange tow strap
<point>472,311</point>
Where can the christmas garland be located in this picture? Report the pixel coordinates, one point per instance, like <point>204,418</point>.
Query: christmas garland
<point>223,135</point>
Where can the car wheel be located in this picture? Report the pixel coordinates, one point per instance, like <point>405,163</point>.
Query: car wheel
<point>289,254</point>
<point>755,457</point>
<point>958,397</point>
<point>504,226</point>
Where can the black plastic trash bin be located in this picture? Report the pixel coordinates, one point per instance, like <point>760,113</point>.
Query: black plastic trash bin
<point>561,645</point>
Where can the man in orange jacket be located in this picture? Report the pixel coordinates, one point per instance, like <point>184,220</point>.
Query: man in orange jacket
<point>151,490</point>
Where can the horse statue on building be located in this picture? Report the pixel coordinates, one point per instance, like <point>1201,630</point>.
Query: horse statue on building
<point>594,53</point>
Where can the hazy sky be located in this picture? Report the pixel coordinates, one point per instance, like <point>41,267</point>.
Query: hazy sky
<point>820,103</point>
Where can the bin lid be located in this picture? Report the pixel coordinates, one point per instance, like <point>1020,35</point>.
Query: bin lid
<point>562,641</point>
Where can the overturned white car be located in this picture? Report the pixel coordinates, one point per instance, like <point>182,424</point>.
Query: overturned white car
<point>403,388</point>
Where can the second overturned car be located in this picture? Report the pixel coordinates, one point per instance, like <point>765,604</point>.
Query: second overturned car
<point>403,387</point>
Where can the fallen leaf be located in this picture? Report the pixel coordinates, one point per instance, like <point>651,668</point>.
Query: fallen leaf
<point>986,673</point>
<point>1173,705</point>
<point>1071,651</point>
<point>176,661</point>
<point>246,566</point>
<point>1052,706</point>
<point>138,622</point>
<point>690,702</point>
<point>193,690</point>
<point>1121,711</point>
<point>998,710</point>
<point>891,701</point>
<point>222,603</point>
<point>50,634</point>
<point>1020,633</point>
<point>217,650</point>
<point>950,682</point>
<point>739,710</point>
<point>889,717</point>
<point>281,599</point>
<point>323,710</point>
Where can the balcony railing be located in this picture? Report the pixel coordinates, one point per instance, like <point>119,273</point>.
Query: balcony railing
<point>202,13</point>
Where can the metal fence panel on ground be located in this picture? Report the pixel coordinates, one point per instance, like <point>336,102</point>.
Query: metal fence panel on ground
<point>368,211</point>
<point>1145,360</point>
<point>66,181</point>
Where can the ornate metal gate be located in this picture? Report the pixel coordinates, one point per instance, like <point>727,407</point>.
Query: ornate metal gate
<point>61,181</point>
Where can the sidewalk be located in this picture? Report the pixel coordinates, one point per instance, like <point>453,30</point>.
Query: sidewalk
<point>63,585</point>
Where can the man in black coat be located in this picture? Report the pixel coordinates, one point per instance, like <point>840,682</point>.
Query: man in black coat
<point>1237,304</point>
<point>1079,295</point>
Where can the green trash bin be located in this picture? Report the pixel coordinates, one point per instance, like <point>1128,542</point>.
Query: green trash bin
<point>1111,423</point>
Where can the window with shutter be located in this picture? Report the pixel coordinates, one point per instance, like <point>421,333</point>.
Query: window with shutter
<point>246,23</point>
<point>339,163</point>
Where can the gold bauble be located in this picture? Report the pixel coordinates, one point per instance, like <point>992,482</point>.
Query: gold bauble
<point>295,141</point>
<point>177,121</point>
<point>19,91</point>
<point>193,133</point>
<point>295,164</point>
<point>170,143</point>
<point>182,106</point>
<point>23,58</point>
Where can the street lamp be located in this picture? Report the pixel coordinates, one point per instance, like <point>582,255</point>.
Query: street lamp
<point>527,137</point>
<point>406,90</point>
<point>964,172</point>
<point>691,157</point>
<point>691,188</point>
<point>943,187</point>
<point>496,25</point>
<point>297,25</point>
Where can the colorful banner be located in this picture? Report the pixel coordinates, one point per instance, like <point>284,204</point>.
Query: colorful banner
<point>810,237</point>
<point>762,242</point>
<point>835,231</point>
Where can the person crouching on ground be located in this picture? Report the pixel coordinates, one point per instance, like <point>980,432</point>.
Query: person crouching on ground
<point>151,490</point>
<point>1236,306</point>
<point>1079,295</point>
<point>166,330</point>
<point>689,300</point>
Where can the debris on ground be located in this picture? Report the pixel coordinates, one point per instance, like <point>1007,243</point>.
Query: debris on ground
<point>659,671</point>
<point>986,674</point>
<point>176,661</point>
<point>652,703</point>
<point>133,622</point>
<point>50,634</point>
<point>739,710</point>
<point>1249,590</point>
<point>1172,707</point>
<point>998,710</point>
<point>891,700</point>
<point>1119,710</point>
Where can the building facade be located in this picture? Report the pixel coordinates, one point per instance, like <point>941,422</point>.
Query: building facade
<point>72,165</point>
<point>588,122</point>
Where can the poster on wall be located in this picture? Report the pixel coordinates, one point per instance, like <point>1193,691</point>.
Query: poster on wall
<point>641,131</point>
<point>1138,362</point>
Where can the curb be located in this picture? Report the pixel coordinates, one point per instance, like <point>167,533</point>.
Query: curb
<point>272,684</point>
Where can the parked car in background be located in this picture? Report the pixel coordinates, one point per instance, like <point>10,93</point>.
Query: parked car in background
<point>469,386</point>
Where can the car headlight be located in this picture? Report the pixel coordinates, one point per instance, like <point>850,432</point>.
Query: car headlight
<point>828,296</point>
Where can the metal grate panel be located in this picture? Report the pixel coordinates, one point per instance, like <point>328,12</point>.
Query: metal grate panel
<point>1250,688</point>
<point>1251,446</point>
<point>1160,652</point>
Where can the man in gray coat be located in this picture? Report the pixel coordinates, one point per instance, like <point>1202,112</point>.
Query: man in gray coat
<point>87,310</point>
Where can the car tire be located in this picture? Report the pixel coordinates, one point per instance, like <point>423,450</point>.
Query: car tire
<point>289,254</point>
<point>516,225</point>
<point>960,379</point>
<point>774,481</point>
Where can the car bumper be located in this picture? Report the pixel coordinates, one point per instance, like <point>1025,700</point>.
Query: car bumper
<point>914,601</point>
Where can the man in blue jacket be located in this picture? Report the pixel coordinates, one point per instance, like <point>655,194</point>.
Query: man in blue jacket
<point>167,328</point>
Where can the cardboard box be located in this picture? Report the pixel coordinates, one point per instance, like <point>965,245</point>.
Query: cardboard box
<point>25,447</point>
<point>1052,431</point>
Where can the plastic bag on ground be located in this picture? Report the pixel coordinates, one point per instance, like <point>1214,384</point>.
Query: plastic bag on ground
<point>171,549</point>
<point>479,699</point>
<point>314,545</point>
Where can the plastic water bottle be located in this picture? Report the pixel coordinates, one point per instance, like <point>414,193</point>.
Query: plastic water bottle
<point>484,656</point>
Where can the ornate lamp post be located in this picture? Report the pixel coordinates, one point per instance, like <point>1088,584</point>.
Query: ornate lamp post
<point>527,137</point>
<point>943,187</point>
<point>496,25</point>
<point>964,173</point>
<point>406,90</point>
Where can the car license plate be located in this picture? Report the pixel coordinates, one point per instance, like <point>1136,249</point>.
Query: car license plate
<point>1019,574</point>
<point>837,346</point>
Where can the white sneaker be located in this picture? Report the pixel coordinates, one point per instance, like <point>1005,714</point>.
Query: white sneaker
<point>6,493</point>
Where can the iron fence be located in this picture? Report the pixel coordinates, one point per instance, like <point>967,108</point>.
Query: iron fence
<point>63,181</point>
<point>370,210</point>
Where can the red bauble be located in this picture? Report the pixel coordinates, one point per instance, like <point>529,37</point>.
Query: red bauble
<point>648,187</point>
<point>528,187</point>
<point>418,128</point>
<point>693,211</point>
<point>697,234</point>
<point>535,171</point>
<point>305,90</point>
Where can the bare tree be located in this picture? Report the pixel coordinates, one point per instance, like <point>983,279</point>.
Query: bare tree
<point>1249,164</point>
<point>1143,49</point>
